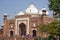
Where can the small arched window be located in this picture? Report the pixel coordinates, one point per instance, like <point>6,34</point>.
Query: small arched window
<point>34,33</point>
<point>11,33</point>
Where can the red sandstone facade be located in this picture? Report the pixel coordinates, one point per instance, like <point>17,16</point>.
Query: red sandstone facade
<point>25,27</point>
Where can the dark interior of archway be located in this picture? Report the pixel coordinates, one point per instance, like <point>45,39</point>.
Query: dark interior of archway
<point>34,33</point>
<point>11,33</point>
<point>22,29</point>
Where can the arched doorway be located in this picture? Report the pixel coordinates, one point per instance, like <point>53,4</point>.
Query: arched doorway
<point>34,33</point>
<point>11,33</point>
<point>22,29</point>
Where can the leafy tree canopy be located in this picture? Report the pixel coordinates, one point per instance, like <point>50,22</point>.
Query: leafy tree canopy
<point>42,28</point>
<point>55,6</point>
<point>53,28</point>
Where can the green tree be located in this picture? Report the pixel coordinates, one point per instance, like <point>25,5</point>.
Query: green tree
<point>43,28</point>
<point>53,28</point>
<point>55,6</point>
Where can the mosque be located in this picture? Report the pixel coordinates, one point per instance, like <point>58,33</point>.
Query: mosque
<point>25,25</point>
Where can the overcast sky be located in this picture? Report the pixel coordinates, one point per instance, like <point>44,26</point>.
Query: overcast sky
<point>13,7</point>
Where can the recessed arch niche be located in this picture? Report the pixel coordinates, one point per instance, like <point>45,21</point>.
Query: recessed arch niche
<point>22,29</point>
<point>34,33</point>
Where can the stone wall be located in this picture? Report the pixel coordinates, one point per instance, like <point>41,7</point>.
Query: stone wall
<point>19,38</point>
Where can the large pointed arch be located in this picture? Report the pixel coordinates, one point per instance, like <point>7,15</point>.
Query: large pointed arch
<point>22,29</point>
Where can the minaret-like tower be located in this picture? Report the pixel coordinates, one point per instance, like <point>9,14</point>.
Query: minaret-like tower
<point>5,25</point>
<point>44,15</point>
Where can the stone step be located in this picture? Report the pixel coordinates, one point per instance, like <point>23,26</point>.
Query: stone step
<point>19,38</point>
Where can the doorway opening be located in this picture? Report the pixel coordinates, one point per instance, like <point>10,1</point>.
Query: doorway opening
<point>34,33</point>
<point>22,29</point>
<point>11,33</point>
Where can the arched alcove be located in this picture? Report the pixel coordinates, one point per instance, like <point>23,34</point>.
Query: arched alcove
<point>34,33</point>
<point>11,33</point>
<point>22,29</point>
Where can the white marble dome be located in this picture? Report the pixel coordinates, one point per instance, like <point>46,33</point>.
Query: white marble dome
<point>31,9</point>
<point>40,12</point>
<point>21,13</point>
<point>5,13</point>
<point>43,9</point>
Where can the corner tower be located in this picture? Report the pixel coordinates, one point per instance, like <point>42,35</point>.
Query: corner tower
<point>44,15</point>
<point>5,24</point>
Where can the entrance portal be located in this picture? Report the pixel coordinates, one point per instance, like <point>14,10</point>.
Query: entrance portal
<point>22,29</point>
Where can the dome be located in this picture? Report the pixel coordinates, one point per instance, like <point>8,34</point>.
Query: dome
<point>31,9</point>
<point>40,12</point>
<point>43,9</point>
<point>21,13</point>
<point>5,13</point>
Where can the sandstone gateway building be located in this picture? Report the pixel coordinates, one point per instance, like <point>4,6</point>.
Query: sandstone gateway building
<point>24,26</point>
